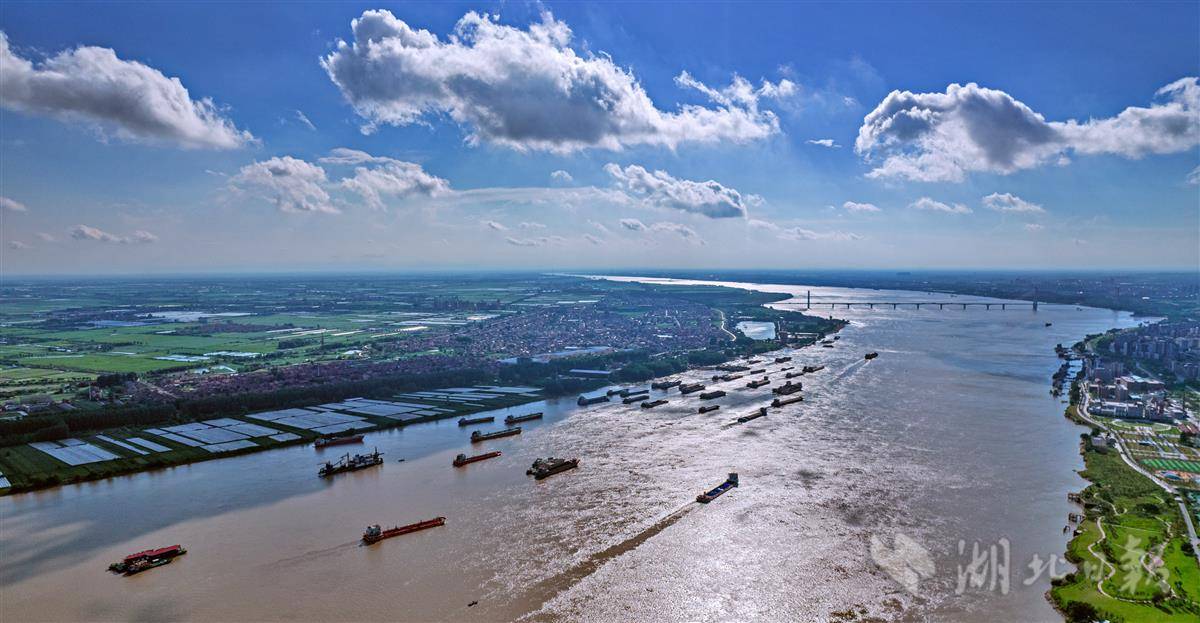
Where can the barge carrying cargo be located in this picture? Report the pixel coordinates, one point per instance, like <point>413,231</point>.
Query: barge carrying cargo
<point>477,436</point>
<point>779,402</point>
<point>691,388</point>
<point>759,371</point>
<point>792,375</point>
<point>653,403</point>
<point>665,384</point>
<point>714,493</point>
<point>544,468</point>
<point>585,401</point>
<point>351,464</point>
<point>374,534</point>
<point>762,411</point>
<point>324,442</point>
<point>707,408</point>
<point>463,459</point>
<point>467,421</point>
<point>513,419</point>
<point>759,383</point>
<point>782,359</point>
<point>788,388</point>
<point>635,398</point>
<point>808,369</point>
<point>148,559</point>
<point>716,393</point>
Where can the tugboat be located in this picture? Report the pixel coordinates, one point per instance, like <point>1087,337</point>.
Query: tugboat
<point>463,459</point>
<point>762,411</point>
<point>788,388</point>
<point>513,419</point>
<point>653,403</point>
<point>350,464</point>
<point>148,559</point>
<point>716,393</point>
<point>871,355</point>
<point>477,436</point>
<point>374,534</point>
<point>779,402</point>
<point>712,494</point>
<point>325,441</point>
<point>544,468</point>
<point>467,421</point>
<point>707,408</point>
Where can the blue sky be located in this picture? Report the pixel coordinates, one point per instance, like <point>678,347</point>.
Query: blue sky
<point>191,137</point>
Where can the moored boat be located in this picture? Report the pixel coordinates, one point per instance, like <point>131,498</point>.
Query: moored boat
<point>716,393</point>
<point>463,459</point>
<point>782,359</point>
<point>714,493</point>
<point>808,369</point>
<point>691,388</point>
<point>585,401</point>
<point>762,411</point>
<point>635,398</point>
<point>779,402</point>
<point>665,384</point>
<point>759,383</point>
<point>650,404</point>
<point>467,421</point>
<point>327,440</point>
<point>707,408</point>
<point>478,436</point>
<point>374,534</point>
<point>788,388</point>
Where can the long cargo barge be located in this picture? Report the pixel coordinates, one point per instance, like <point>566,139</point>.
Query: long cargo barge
<point>728,377</point>
<point>792,375</point>
<point>716,492</point>
<point>463,459</point>
<point>326,441</point>
<point>716,393</point>
<point>808,369</point>
<point>785,369</point>
<point>782,359</point>
<point>374,534</point>
<point>477,436</point>
<point>779,402</point>
<point>759,371</point>
<point>513,419</point>
<point>629,391</point>
<point>707,408</point>
<point>665,384</point>
<point>585,401</point>
<point>762,411</point>
<point>732,368</point>
<point>351,464</point>
<point>691,388</point>
<point>467,421</point>
<point>788,388</point>
<point>650,404</point>
<point>635,398</point>
<point>759,383</point>
<point>147,559</point>
<point>544,468</point>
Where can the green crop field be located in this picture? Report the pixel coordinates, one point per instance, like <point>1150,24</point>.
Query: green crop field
<point>1174,464</point>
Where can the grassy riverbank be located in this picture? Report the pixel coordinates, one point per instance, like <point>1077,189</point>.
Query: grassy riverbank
<point>1131,528</point>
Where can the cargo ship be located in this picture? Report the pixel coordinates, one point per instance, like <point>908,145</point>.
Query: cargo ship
<point>585,401</point>
<point>463,459</point>
<point>544,468</point>
<point>732,377</point>
<point>712,494</point>
<point>759,371</point>
<point>513,419</point>
<point>665,384</point>
<point>325,441</point>
<point>691,388</point>
<point>148,559</point>
<point>707,408</point>
<point>374,534</point>
<point>808,369</point>
<point>629,391</point>
<point>788,388</point>
<point>782,359</point>
<point>477,436</point>
<point>653,403</point>
<point>716,393</point>
<point>759,383</point>
<point>635,398</point>
<point>792,375</point>
<point>732,368</point>
<point>779,402</point>
<point>871,355</point>
<point>467,421</point>
<point>350,464</point>
<point>762,411</point>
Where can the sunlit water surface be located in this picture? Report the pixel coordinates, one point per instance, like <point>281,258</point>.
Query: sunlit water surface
<point>951,434</point>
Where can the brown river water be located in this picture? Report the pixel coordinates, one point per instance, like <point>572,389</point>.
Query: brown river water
<point>949,435</point>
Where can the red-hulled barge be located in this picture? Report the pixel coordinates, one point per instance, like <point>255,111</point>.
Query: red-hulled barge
<point>374,534</point>
<point>148,559</point>
<point>463,459</point>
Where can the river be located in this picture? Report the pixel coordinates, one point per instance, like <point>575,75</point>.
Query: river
<point>949,435</point>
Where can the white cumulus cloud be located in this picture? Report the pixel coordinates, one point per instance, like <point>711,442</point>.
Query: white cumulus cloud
<point>660,189</point>
<point>291,184</point>
<point>931,205</point>
<point>12,205</point>
<point>561,176</point>
<point>943,136</point>
<point>823,142</point>
<point>88,233</point>
<point>853,206</point>
<point>1007,202</point>
<point>528,89</point>
<point>135,101</point>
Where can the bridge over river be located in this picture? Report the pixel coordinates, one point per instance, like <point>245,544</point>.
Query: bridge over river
<point>809,303</point>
